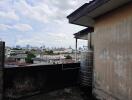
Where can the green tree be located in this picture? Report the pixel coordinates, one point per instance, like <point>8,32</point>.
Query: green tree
<point>68,57</point>
<point>50,52</point>
<point>30,57</point>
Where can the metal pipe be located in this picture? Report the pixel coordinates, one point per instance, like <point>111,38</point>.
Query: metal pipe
<point>76,51</point>
<point>89,41</point>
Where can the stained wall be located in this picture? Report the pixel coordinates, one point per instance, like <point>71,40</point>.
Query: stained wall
<point>112,41</point>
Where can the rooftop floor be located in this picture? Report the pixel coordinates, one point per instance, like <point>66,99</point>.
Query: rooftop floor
<point>73,93</point>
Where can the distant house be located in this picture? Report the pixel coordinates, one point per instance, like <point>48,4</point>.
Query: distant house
<point>39,60</point>
<point>7,51</point>
<point>58,51</point>
<point>19,58</point>
<point>15,56</point>
<point>111,42</point>
<point>52,59</point>
<point>63,50</point>
<point>68,50</point>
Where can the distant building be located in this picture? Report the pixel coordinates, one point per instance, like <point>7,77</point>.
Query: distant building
<point>7,51</point>
<point>63,50</point>
<point>52,59</point>
<point>39,60</point>
<point>14,56</point>
<point>20,58</point>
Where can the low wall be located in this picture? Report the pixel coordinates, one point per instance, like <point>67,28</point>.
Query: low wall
<point>1,84</point>
<point>25,81</point>
<point>2,49</point>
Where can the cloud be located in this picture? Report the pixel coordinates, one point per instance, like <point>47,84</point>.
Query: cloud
<point>4,27</point>
<point>38,13</point>
<point>58,35</point>
<point>22,27</point>
<point>18,27</point>
<point>7,11</point>
<point>9,15</point>
<point>39,10</point>
<point>46,10</point>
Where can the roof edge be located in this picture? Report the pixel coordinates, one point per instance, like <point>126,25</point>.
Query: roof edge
<point>84,32</point>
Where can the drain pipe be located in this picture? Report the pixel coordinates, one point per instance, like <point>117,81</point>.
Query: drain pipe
<point>89,41</point>
<point>76,51</point>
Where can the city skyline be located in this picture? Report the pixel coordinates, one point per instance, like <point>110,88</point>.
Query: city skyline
<point>38,22</point>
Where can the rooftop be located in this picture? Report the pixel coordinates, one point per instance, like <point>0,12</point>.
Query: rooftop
<point>72,93</point>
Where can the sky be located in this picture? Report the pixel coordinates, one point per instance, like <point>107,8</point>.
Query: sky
<point>39,22</point>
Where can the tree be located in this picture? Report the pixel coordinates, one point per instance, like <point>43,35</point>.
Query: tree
<point>50,52</point>
<point>68,57</point>
<point>30,57</point>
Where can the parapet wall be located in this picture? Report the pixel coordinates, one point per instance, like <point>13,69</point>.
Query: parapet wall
<point>2,49</point>
<point>25,81</point>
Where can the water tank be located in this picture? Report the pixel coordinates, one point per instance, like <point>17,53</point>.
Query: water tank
<point>86,70</point>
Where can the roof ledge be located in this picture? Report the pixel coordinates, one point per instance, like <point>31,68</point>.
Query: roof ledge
<point>85,15</point>
<point>83,33</point>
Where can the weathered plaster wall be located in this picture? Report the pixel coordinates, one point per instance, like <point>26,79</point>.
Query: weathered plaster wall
<point>113,55</point>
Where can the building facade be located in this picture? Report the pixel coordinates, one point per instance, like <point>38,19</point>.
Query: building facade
<point>112,22</point>
<point>113,56</point>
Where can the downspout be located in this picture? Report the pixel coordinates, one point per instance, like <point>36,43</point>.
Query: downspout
<point>89,41</point>
<point>76,51</point>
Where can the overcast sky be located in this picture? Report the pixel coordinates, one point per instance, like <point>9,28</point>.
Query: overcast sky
<point>38,22</point>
